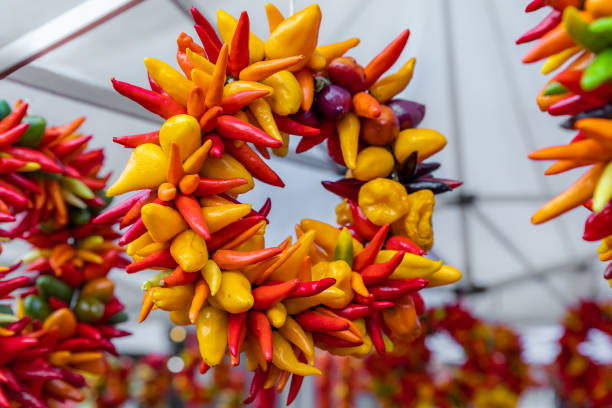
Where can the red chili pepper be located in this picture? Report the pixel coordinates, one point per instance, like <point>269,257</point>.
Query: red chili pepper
<point>239,50</point>
<point>306,289</point>
<point>572,105</point>
<point>376,273</point>
<point>313,321</point>
<point>10,164</point>
<point>93,271</point>
<point>85,162</point>
<point>260,327</point>
<point>159,259</point>
<point>385,304</point>
<point>383,61</point>
<point>364,227</point>
<point>218,148</point>
<point>191,211</point>
<point>235,326</point>
<point>571,78</point>
<point>367,256</point>
<point>4,217</point>
<point>332,341</point>
<point>607,272</point>
<point>212,186</point>
<point>362,300</point>
<point>78,344</point>
<point>72,378</point>
<point>296,383</point>
<point>401,243</point>
<point>24,153</point>
<point>111,332</point>
<point>71,145</point>
<point>394,289</point>
<point>234,128</point>
<point>548,23</point>
<point>264,211</point>
<point>12,135</point>
<point>56,303</point>
<point>13,346</point>
<point>113,214</point>
<point>229,259</point>
<point>9,285</point>
<point>535,5</point>
<point>113,307</point>
<point>95,184</point>
<point>598,225</point>
<point>345,188</point>
<point>19,325</point>
<point>161,105</point>
<point>259,379</point>
<point>34,371</point>
<point>233,103</point>
<point>227,233</point>
<point>88,331</point>
<point>24,398</point>
<point>266,296</point>
<point>334,150</point>
<point>71,275</point>
<point>22,182</point>
<point>212,50</point>
<point>308,143</point>
<point>292,127</point>
<point>135,231</point>
<point>374,327</point>
<point>137,140</point>
<point>419,303</point>
<point>12,119</point>
<point>180,277</point>
<point>253,163</point>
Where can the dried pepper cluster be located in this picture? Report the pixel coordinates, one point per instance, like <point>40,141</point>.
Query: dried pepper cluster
<point>327,289</point>
<point>579,380</point>
<point>67,311</point>
<point>579,33</point>
<point>494,373</point>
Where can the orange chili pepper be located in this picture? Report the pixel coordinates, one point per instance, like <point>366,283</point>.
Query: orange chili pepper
<point>61,212</point>
<point>387,57</point>
<point>561,166</point>
<point>306,81</point>
<point>259,71</point>
<point>275,17</point>
<point>175,165</point>
<point>147,305</point>
<point>587,149</point>
<point>551,43</point>
<point>245,236</point>
<point>201,294</point>
<point>229,259</point>
<point>208,121</point>
<point>196,102</point>
<point>214,95</point>
<point>366,105</point>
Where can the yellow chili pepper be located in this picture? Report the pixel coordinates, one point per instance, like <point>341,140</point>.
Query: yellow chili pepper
<point>180,317</point>
<point>149,249</point>
<point>275,17</point>
<point>383,201</point>
<point>416,224</point>
<point>189,250</point>
<point>403,321</point>
<point>426,141</point>
<point>373,162</point>
<point>284,149</point>
<point>64,320</point>
<point>326,236</point>
<point>234,87</point>
<point>184,130</point>
<point>212,275</point>
<point>262,112</point>
<point>555,61</point>
<point>227,25</point>
<point>201,79</point>
<point>162,222</point>
<point>294,333</point>
<point>234,294</point>
<point>86,356</point>
<point>200,62</point>
<point>228,167</point>
<point>386,88</point>
<point>277,315</point>
<point>60,358</point>
<point>285,359</point>
<point>348,132</point>
<point>219,216</point>
<point>335,50</point>
<point>297,34</point>
<point>412,266</point>
<point>254,355</point>
<point>211,329</point>
<point>445,276</point>
<point>174,298</point>
<point>146,168</point>
<point>170,80</point>
<point>287,96</point>
<point>358,285</point>
<point>603,190</point>
<point>343,213</point>
<point>290,268</point>
<point>91,242</point>
<point>317,61</point>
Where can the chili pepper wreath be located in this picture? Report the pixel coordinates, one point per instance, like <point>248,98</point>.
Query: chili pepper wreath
<point>579,33</point>
<point>494,373</point>
<point>580,381</point>
<point>328,289</point>
<point>51,183</point>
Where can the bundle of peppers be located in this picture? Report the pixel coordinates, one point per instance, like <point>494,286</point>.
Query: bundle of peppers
<point>327,289</point>
<point>493,374</point>
<point>579,380</point>
<point>577,35</point>
<point>51,189</point>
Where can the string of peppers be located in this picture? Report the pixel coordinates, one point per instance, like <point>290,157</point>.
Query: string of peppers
<point>66,309</point>
<point>347,291</point>
<point>578,34</point>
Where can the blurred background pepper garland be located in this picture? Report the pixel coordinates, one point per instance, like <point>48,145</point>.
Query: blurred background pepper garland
<point>336,289</point>
<point>577,35</point>
<point>66,311</point>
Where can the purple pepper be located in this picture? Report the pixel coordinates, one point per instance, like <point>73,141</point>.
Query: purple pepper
<point>409,113</point>
<point>333,102</point>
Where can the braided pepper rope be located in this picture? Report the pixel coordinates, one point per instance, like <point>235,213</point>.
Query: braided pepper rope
<point>66,311</point>
<point>581,381</point>
<point>578,33</point>
<point>493,375</point>
<point>328,289</point>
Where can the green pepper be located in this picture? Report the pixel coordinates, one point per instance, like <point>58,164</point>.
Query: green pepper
<point>89,309</point>
<point>45,175</point>
<point>598,72</point>
<point>79,216</point>
<point>155,280</point>
<point>35,132</point>
<point>555,88</point>
<point>118,318</point>
<point>49,286</point>
<point>5,308</point>
<point>36,307</point>
<point>580,31</point>
<point>344,247</point>
<point>5,109</point>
